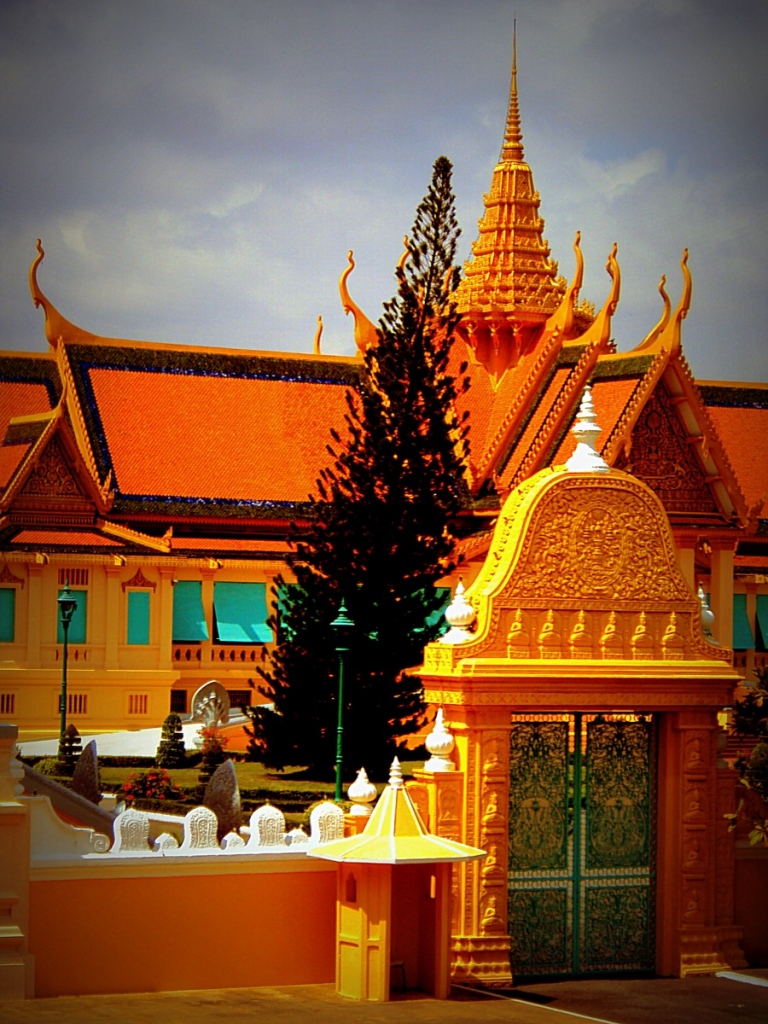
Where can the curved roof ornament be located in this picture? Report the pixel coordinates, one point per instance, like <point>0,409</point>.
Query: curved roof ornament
<point>318,336</point>
<point>667,337</point>
<point>599,333</point>
<point>57,327</point>
<point>650,339</point>
<point>366,335</point>
<point>562,318</point>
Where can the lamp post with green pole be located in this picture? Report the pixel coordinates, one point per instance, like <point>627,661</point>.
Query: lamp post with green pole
<point>341,625</point>
<point>67,604</point>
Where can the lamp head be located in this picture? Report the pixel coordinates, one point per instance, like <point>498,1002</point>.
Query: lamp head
<point>67,604</point>
<point>342,624</point>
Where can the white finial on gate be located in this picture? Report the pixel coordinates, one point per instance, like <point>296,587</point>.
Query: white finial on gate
<point>586,458</point>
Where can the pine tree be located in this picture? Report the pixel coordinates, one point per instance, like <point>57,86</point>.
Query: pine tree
<point>171,752</point>
<point>381,534</point>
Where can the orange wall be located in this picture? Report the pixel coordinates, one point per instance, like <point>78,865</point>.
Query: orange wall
<point>197,931</point>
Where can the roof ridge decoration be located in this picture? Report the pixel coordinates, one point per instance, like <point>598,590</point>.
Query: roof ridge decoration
<point>599,332</point>
<point>125,533</point>
<point>71,402</point>
<point>366,334</point>
<point>666,335</point>
<point>563,318</point>
<point>23,470</point>
<point>57,328</point>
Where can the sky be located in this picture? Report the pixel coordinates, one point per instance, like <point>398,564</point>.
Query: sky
<point>198,169</point>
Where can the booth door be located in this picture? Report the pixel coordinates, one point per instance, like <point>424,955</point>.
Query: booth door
<point>581,850</point>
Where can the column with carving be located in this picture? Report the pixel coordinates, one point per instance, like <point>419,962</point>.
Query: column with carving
<point>703,946</point>
<point>481,946</point>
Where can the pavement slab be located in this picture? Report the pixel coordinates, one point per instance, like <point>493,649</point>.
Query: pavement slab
<point>706,1000</point>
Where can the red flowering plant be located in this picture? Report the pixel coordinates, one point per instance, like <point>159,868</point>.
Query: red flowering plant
<point>213,745</point>
<point>153,784</point>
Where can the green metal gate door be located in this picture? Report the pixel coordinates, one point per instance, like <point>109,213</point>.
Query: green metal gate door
<point>581,845</point>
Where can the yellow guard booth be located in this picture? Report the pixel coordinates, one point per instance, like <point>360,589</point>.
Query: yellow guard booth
<point>392,904</point>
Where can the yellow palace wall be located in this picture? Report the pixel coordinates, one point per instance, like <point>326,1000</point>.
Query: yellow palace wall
<point>182,926</point>
<point>113,684</point>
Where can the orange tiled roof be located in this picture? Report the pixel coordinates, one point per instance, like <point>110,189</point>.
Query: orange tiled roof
<point>610,398</point>
<point>228,544</point>
<point>18,398</point>
<point>42,538</point>
<point>743,433</point>
<point>211,437</point>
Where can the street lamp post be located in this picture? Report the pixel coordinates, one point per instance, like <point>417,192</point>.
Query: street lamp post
<point>341,625</point>
<point>67,604</point>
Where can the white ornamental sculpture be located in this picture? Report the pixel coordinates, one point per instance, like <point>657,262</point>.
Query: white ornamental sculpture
<point>586,458</point>
<point>707,615</point>
<point>440,743</point>
<point>460,615</point>
<point>362,793</point>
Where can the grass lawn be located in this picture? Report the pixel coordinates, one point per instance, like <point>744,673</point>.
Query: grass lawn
<point>290,790</point>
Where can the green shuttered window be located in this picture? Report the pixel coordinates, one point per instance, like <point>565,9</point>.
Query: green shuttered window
<point>240,613</point>
<point>189,623</point>
<point>7,614</point>
<point>138,616</point>
<point>77,625</point>
<point>743,639</point>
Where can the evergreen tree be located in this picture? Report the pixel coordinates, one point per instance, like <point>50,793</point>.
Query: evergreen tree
<point>70,749</point>
<point>171,752</point>
<point>381,534</point>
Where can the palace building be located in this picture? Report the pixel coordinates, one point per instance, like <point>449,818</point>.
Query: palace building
<point>160,481</point>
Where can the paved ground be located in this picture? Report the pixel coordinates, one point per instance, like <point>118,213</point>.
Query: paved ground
<point>709,1000</point>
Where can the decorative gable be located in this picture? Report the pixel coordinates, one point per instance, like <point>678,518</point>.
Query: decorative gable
<point>662,456</point>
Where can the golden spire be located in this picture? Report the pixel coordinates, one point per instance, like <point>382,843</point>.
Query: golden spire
<point>511,286</point>
<point>513,136</point>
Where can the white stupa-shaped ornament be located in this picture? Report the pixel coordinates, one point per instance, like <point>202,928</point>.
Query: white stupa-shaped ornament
<point>460,615</point>
<point>439,743</point>
<point>586,458</point>
<point>396,775</point>
<point>361,793</point>
<point>707,615</point>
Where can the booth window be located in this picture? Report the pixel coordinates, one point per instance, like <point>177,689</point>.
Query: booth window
<point>240,613</point>
<point>189,625</point>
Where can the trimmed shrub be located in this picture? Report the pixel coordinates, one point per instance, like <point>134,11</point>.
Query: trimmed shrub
<point>171,752</point>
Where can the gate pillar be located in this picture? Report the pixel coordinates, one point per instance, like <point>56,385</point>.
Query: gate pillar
<point>471,806</point>
<point>695,930</point>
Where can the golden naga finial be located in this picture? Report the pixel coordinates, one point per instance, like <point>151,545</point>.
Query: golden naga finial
<point>318,335</point>
<point>649,341</point>
<point>366,334</point>
<point>667,333</point>
<point>512,149</point>
<point>57,327</point>
<point>562,319</point>
<point>599,333</point>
